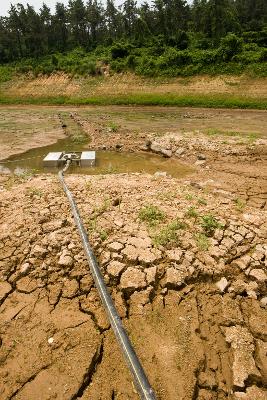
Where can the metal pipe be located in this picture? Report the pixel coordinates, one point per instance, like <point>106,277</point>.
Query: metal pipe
<point>142,384</point>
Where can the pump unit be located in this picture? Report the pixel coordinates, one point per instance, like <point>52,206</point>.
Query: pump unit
<point>58,159</point>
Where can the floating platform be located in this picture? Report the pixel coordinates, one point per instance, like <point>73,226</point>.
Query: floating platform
<point>58,159</point>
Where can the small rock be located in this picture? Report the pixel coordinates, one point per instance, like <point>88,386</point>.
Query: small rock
<point>115,268</point>
<point>115,246</point>
<point>252,294</point>
<point>70,289</point>
<point>151,274</point>
<point>174,255</point>
<point>242,344</point>
<point>239,287</point>
<point>264,301</point>
<point>253,219</point>
<point>139,242</point>
<point>222,284</point>
<point>148,256</point>
<point>130,252</point>
<point>65,260</point>
<point>180,151</point>
<point>201,157</point>
<point>53,225</point>
<point>166,153</point>
<point>144,148</point>
<point>160,173</point>
<point>104,257</point>
<point>258,274</point>
<point>200,162</point>
<point>39,251</point>
<point>133,278</point>
<point>242,262</point>
<point>119,223</point>
<point>24,268</point>
<point>51,340</point>
<point>252,393</point>
<point>174,278</point>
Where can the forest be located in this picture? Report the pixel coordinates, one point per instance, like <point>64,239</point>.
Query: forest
<point>159,38</point>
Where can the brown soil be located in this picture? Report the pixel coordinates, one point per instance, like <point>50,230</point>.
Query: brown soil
<point>194,304</point>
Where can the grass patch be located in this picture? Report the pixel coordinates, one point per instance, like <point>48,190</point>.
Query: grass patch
<point>31,192</point>
<point>191,213</point>
<point>209,223</point>
<point>239,204</point>
<point>113,127</point>
<point>102,208</point>
<point>103,235</point>
<point>202,201</point>
<point>168,234</point>
<point>142,99</point>
<point>109,170</point>
<point>189,196</point>
<point>79,138</point>
<point>151,215</point>
<point>202,241</point>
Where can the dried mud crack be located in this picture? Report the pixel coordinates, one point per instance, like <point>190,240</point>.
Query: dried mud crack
<point>182,288</point>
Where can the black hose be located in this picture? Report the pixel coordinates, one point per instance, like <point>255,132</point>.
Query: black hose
<point>141,382</point>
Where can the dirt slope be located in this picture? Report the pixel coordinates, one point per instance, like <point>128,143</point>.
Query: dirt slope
<point>126,84</point>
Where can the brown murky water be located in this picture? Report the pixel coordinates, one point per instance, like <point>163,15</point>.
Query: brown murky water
<point>106,161</point>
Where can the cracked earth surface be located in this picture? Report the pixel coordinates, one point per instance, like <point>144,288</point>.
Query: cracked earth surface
<point>196,315</point>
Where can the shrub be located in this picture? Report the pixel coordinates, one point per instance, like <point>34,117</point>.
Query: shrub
<point>119,51</point>
<point>180,40</point>
<point>54,60</point>
<point>230,46</point>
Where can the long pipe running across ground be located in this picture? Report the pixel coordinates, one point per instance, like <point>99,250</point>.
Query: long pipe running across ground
<point>141,382</point>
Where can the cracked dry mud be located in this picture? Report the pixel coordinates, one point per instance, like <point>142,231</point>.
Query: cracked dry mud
<point>197,317</point>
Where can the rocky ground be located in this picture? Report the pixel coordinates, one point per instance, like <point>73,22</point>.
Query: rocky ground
<point>185,263</point>
<point>231,161</point>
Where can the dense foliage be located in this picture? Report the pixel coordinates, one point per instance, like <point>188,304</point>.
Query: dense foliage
<point>166,37</point>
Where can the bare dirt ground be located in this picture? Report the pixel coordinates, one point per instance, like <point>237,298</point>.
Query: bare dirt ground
<point>189,286</point>
<point>24,128</point>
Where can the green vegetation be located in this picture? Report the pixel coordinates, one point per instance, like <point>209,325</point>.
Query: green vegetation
<point>32,191</point>
<point>240,204</point>
<point>103,235</point>
<point>189,196</point>
<point>167,99</point>
<point>113,127</point>
<point>202,241</point>
<point>192,213</point>
<point>168,234</point>
<point>151,214</point>
<point>202,201</point>
<point>209,223</point>
<point>73,130</point>
<point>182,38</point>
<point>97,211</point>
